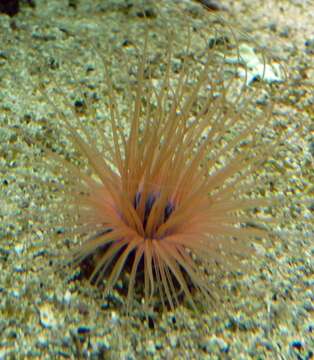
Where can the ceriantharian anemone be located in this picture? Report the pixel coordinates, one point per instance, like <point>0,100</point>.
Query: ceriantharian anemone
<point>166,185</point>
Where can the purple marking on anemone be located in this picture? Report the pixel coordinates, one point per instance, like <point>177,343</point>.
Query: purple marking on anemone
<point>150,201</point>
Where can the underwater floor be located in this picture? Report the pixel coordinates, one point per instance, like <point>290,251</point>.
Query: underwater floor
<point>266,313</point>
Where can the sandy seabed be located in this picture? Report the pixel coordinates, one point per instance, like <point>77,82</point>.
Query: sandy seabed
<point>266,314</point>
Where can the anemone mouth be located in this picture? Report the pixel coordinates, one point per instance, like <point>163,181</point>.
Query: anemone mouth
<point>149,202</point>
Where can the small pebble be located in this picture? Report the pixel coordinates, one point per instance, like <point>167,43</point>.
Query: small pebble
<point>67,297</point>
<point>150,347</point>
<point>214,343</point>
<point>47,317</point>
<point>83,330</point>
<point>297,344</point>
<point>309,46</point>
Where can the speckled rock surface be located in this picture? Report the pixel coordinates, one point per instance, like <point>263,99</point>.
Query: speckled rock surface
<point>264,314</point>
